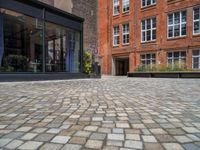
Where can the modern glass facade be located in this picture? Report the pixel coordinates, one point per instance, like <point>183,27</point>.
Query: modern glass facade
<point>38,44</point>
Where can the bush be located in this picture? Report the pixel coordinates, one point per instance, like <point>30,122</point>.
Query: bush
<point>87,62</point>
<point>15,63</point>
<point>162,68</point>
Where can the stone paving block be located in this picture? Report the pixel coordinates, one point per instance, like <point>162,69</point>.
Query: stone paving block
<point>149,139</point>
<point>71,147</point>
<point>14,144</point>
<point>158,131</point>
<point>3,126</point>
<point>3,142</point>
<point>182,139</point>
<point>49,146</point>
<point>118,130</point>
<point>133,144</point>
<point>30,145</point>
<point>60,139</point>
<point>94,144</point>
<point>153,146</point>
<point>119,137</point>
<point>104,130</point>
<point>176,131</point>
<point>110,148</point>
<point>191,130</point>
<point>91,128</point>
<point>115,143</point>
<point>122,125</point>
<point>138,126</point>
<point>82,133</point>
<point>14,135</point>
<point>165,138</point>
<point>44,137</point>
<point>24,129</point>
<point>54,130</point>
<point>135,137</point>
<point>173,146</point>
<point>78,140</point>
<point>39,130</point>
<point>98,136</point>
<point>29,136</point>
<point>191,147</point>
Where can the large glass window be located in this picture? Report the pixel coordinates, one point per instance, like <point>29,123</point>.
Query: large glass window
<point>148,2</point>
<point>196,59</point>
<point>148,59</point>
<point>115,35</point>
<point>63,47</point>
<point>176,59</point>
<point>21,45</point>
<point>126,33</point>
<point>148,29</point>
<point>125,6</point>
<point>196,20</point>
<point>177,24</point>
<point>21,42</point>
<point>116,7</point>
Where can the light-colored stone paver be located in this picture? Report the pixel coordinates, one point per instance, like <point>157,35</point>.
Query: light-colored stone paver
<point>60,139</point>
<point>50,146</point>
<point>150,139</point>
<point>3,142</point>
<point>173,146</point>
<point>119,137</point>
<point>14,144</point>
<point>29,136</point>
<point>71,147</point>
<point>94,144</point>
<point>133,144</point>
<point>31,145</point>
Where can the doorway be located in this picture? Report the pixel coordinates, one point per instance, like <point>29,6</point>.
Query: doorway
<point>121,66</point>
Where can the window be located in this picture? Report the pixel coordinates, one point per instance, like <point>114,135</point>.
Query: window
<point>148,59</point>
<point>115,7</point>
<point>176,59</point>
<point>125,34</point>
<point>196,59</point>
<point>177,24</point>
<point>196,20</point>
<point>148,2</point>
<point>148,30</point>
<point>116,36</point>
<point>125,6</point>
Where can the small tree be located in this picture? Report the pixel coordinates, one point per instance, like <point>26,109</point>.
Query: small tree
<point>87,62</point>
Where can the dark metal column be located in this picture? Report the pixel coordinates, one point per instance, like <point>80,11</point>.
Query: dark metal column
<point>43,42</point>
<point>81,52</point>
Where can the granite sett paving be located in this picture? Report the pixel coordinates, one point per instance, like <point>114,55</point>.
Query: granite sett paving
<point>112,113</point>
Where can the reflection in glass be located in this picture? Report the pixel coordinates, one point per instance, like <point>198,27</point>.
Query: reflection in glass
<point>63,48</point>
<point>22,40</point>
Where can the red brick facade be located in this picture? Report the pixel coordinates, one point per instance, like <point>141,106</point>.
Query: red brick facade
<point>135,48</point>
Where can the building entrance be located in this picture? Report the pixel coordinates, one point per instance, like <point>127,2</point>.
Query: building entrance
<point>121,66</point>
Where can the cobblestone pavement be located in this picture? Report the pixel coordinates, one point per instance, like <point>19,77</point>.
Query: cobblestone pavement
<point>112,113</point>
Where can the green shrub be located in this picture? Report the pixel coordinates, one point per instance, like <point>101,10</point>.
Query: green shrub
<point>15,63</point>
<point>87,62</point>
<point>178,66</point>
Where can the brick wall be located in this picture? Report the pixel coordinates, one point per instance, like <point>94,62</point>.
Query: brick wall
<point>161,46</point>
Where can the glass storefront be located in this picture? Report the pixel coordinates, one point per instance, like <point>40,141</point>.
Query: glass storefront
<point>62,49</point>
<point>23,39</point>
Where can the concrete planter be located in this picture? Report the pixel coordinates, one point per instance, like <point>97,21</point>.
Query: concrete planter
<point>165,74</point>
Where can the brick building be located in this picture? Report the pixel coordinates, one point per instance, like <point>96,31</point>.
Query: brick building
<point>134,32</point>
<point>86,9</point>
